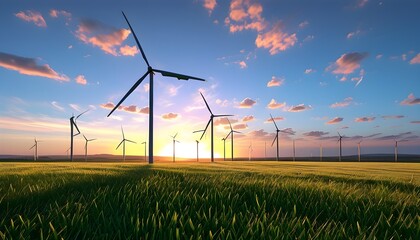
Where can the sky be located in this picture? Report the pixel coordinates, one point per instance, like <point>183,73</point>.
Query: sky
<point>318,67</point>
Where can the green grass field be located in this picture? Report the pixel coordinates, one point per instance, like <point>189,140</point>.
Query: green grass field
<point>224,200</point>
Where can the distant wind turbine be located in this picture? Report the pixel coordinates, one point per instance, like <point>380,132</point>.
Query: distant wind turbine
<point>197,141</point>
<point>320,152</point>
<point>123,143</point>
<point>294,151</point>
<point>36,149</point>
<point>250,150</point>
<point>145,159</point>
<point>67,151</point>
<point>224,148</point>
<point>72,134</point>
<point>339,140</point>
<point>86,145</point>
<point>150,71</point>
<point>396,150</point>
<point>211,121</point>
<point>358,149</point>
<point>276,139</point>
<point>231,137</point>
<point>173,141</point>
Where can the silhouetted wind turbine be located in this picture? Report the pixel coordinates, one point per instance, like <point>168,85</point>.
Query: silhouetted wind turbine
<point>211,121</point>
<point>150,71</point>
<point>173,141</point>
<point>145,159</point>
<point>358,149</point>
<point>276,139</point>
<point>73,124</point>
<point>231,137</point>
<point>36,149</point>
<point>86,145</point>
<point>123,143</point>
<point>339,140</point>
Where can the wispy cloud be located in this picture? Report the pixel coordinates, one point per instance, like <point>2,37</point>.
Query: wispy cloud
<point>103,36</point>
<point>411,100</point>
<point>315,133</point>
<point>416,59</point>
<point>299,108</point>
<point>57,106</point>
<point>275,82</point>
<point>362,3</point>
<point>32,16</point>
<point>248,118</point>
<point>303,24</point>
<point>29,66</point>
<point>276,40</point>
<point>247,103</point>
<point>170,116</point>
<point>345,103</point>
<point>359,79</point>
<point>75,107</point>
<point>210,5</point>
<point>347,63</point>
<point>309,70</point>
<point>397,137</point>
<point>364,119</point>
<point>129,51</point>
<point>269,120</point>
<point>80,79</point>
<point>393,116</point>
<point>335,120</point>
<point>144,110</point>
<point>273,104</point>
<point>353,34</point>
<point>54,13</point>
<point>259,133</point>
<point>415,122</point>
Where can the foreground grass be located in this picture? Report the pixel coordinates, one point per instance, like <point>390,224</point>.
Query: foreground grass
<point>205,201</point>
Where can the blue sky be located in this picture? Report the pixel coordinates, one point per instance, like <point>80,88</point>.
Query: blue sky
<point>319,67</point>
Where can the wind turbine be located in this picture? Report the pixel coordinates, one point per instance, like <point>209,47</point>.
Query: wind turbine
<point>320,152</point>
<point>150,71</point>
<point>145,159</point>
<point>339,140</point>
<point>231,137</point>
<point>224,148</point>
<point>276,139</point>
<point>250,152</point>
<point>358,149</point>
<point>123,143</point>
<point>173,141</point>
<point>36,149</point>
<point>197,148</point>
<point>294,151</point>
<point>67,151</point>
<point>72,134</point>
<point>211,121</point>
<point>396,150</point>
<point>86,145</point>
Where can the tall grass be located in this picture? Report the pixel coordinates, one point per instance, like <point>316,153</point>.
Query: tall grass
<point>208,201</point>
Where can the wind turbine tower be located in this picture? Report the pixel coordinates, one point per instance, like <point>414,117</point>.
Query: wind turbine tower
<point>86,145</point>
<point>250,152</point>
<point>294,151</point>
<point>358,149</point>
<point>396,151</point>
<point>72,134</point>
<point>339,140</point>
<point>276,139</point>
<point>123,143</point>
<point>231,138</point>
<point>150,71</point>
<point>224,148</point>
<point>197,148</point>
<point>36,149</point>
<point>173,148</point>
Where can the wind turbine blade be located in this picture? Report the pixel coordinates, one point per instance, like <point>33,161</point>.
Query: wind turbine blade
<point>130,141</point>
<point>206,104</point>
<point>122,130</point>
<point>272,119</point>
<point>205,129</point>
<point>177,75</point>
<point>137,40</point>
<point>120,144</point>
<point>198,131</point>
<point>231,129</point>
<point>228,134</point>
<point>236,131</point>
<point>81,114</point>
<point>32,147</point>
<point>222,115</point>
<point>129,92</point>
<point>77,128</point>
<point>175,135</point>
<point>85,137</point>
<point>339,134</point>
<point>274,140</point>
<point>91,139</point>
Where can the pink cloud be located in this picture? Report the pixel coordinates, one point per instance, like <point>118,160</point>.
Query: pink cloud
<point>242,64</point>
<point>240,126</point>
<point>32,16</point>
<point>258,133</point>
<point>393,117</point>
<point>335,120</point>
<point>299,108</point>
<point>416,59</point>
<point>315,134</point>
<point>129,51</point>
<point>245,15</point>
<point>347,63</point>
<point>411,100</point>
<point>102,36</point>
<point>210,5</point>
<point>364,119</point>
<point>275,119</point>
<point>247,103</point>
<point>81,80</point>
<point>144,110</point>
<point>237,14</point>
<point>131,109</point>
<point>345,103</point>
<point>275,82</point>
<point>273,104</point>
<point>170,116</point>
<point>361,3</point>
<point>28,66</point>
<point>54,13</point>
<point>248,118</point>
<point>415,122</point>
<point>108,105</point>
<point>223,121</point>
<point>276,40</point>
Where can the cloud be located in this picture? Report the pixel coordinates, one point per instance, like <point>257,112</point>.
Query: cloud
<point>146,87</point>
<point>335,120</point>
<point>102,36</point>
<point>210,5</point>
<point>131,109</point>
<point>360,78</point>
<point>379,56</point>
<point>309,70</point>
<point>54,13</point>
<point>144,110</point>
<point>258,133</point>
<point>108,105</point>
<point>361,3</point>
<point>240,126</point>
<point>394,137</point>
<point>345,103</point>
<point>129,51</point>
<point>28,66</point>
<point>80,79</point>
<point>416,59</point>
<point>353,34</point>
<point>415,122</point>
<point>247,103</point>
<point>276,40</point>
<point>222,103</point>
<point>273,104</point>
<point>288,131</point>
<point>364,119</point>
<point>32,16</point>
<point>275,82</point>
<point>245,15</point>
<point>315,134</point>
<point>303,24</point>
<point>170,116</point>
<point>393,116</point>
<point>347,63</point>
<point>75,107</point>
<point>242,64</point>
<point>275,119</point>
<point>223,121</point>
<point>57,106</point>
<point>299,108</point>
<point>248,118</point>
<point>172,90</point>
<point>411,100</point>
